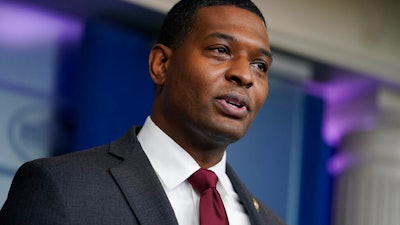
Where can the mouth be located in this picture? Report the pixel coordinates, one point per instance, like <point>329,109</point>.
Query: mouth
<point>234,104</point>
<point>237,101</point>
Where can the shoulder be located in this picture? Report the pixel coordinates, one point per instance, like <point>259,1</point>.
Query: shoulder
<point>61,189</point>
<point>81,160</point>
<point>85,163</point>
<point>95,158</point>
<point>63,169</point>
<point>268,216</point>
<point>86,157</point>
<point>256,209</point>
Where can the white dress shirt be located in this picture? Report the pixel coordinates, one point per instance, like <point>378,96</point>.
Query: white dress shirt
<point>174,165</point>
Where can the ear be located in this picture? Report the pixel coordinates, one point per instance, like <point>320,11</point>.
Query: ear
<point>159,59</point>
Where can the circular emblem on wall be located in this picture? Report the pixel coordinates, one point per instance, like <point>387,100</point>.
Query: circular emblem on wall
<point>30,131</point>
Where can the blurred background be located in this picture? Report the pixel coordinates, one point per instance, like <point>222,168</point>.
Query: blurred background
<point>324,150</point>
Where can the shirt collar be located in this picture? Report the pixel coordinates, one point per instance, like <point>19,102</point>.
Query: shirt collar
<point>170,161</point>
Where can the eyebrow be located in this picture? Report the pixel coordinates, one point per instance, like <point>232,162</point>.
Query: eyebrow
<point>221,36</point>
<point>228,37</point>
<point>267,53</point>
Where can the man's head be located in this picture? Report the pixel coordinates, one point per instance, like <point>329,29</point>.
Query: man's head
<point>181,18</point>
<point>210,86</point>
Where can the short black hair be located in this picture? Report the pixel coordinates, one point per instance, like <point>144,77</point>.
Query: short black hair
<point>179,21</point>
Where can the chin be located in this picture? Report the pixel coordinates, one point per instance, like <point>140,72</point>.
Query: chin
<point>227,133</point>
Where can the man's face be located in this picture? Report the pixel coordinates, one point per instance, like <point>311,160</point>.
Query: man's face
<point>216,80</point>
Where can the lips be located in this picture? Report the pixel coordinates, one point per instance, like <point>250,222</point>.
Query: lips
<point>234,104</point>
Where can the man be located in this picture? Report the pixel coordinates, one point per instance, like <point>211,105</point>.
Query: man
<point>210,70</point>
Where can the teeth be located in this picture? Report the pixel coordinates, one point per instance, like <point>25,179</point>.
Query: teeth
<point>234,104</point>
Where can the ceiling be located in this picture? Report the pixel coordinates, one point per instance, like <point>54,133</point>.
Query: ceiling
<point>358,35</point>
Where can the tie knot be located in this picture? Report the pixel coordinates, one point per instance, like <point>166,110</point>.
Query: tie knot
<point>203,179</point>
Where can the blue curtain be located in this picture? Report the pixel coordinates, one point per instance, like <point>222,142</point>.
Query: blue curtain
<point>104,86</point>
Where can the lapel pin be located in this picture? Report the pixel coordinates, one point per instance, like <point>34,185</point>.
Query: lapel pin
<point>256,205</point>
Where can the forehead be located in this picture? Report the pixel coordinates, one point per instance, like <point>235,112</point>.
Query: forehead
<point>229,9</point>
<point>231,20</point>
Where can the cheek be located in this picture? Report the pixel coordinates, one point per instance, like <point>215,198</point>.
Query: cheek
<point>261,95</point>
<point>198,82</point>
<point>184,88</point>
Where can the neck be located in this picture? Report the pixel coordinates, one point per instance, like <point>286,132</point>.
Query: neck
<point>206,154</point>
<point>207,159</point>
<point>206,148</point>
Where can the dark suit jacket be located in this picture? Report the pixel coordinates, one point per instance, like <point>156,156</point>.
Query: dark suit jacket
<point>111,184</point>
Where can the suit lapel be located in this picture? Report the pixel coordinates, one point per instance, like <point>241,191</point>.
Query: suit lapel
<point>139,183</point>
<point>249,201</point>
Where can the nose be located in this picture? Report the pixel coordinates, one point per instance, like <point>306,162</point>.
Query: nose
<point>240,73</point>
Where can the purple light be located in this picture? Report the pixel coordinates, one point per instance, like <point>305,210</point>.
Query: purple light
<point>23,25</point>
<point>343,87</point>
<point>341,162</point>
<point>350,105</point>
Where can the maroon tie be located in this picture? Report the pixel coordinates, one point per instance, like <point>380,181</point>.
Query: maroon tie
<point>212,211</point>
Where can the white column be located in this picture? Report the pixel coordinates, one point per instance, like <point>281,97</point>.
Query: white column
<point>368,192</point>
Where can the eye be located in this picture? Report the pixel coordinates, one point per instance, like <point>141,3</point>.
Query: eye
<point>220,50</point>
<point>261,66</point>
